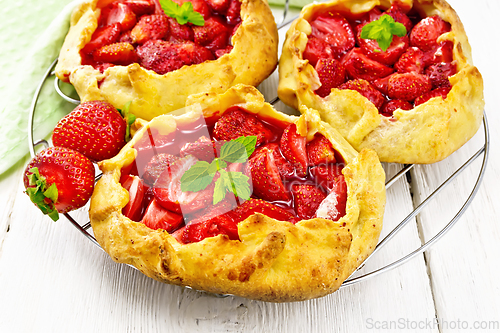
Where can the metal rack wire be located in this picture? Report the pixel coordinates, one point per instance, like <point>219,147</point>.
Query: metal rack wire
<point>85,228</point>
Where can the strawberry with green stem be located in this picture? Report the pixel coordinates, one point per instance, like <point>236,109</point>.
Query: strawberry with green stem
<point>59,180</point>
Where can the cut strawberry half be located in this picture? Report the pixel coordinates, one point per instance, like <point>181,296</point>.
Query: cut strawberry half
<point>122,14</point>
<point>333,207</point>
<point>150,27</point>
<point>212,29</point>
<point>236,122</point>
<point>390,106</point>
<point>253,206</point>
<point>203,149</point>
<point>140,7</point>
<point>331,74</point>
<point>426,32</point>
<point>233,12</point>
<point>441,53</point>
<point>155,167</point>
<point>293,147</point>
<point>157,217</point>
<point>180,32</point>
<point>359,66</point>
<point>316,49</point>
<point>439,92</point>
<point>101,37</point>
<point>336,31</point>
<point>408,86</point>
<point>307,198</point>
<point>199,6</point>
<point>219,6</point>
<point>373,51</point>
<point>220,225</point>
<point>320,151</point>
<point>116,53</point>
<point>399,16</point>
<point>163,57</point>
<point>440,73</point>
<point>285,169</point>
<point>366,89</point>
<point>411,61</point>
<point>135,187</point>
<point>266,180</point>
<point>326,176</point>
<point>168,193</point>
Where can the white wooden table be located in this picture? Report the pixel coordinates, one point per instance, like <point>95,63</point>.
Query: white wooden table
<point>52,279</point>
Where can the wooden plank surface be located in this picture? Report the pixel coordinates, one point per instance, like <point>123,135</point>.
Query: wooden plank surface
<point>52,279</point>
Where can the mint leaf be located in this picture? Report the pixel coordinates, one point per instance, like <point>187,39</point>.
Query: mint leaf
<point>183,14</point>
<point>238,150</point>
<point>249,142</point>
<point>216,165</point>
<point>240,185</point>
<point>383,30</point>
<point>219,191</point>
<point>197,177</point>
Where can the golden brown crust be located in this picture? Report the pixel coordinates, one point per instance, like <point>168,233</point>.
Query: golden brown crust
<point>253,58</point>
<point>426,134</point>
<point>274,261</point>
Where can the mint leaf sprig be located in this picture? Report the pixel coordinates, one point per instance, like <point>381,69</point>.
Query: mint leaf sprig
<point>383,30</point>
<point>202,173</point>
<point>183,14</point>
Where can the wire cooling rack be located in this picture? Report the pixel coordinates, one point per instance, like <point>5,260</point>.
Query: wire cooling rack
<point>283,22</point>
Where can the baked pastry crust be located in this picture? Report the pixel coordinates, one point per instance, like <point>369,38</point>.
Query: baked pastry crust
<point>253,58</point>
<point>274,261</point>
<point>428,133</point>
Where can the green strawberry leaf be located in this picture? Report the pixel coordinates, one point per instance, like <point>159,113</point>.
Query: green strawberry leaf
<point>183,14</point>
<point>383,30</point>
<point>129,119</point>
<point>197,177</point>
<point>40,193</point>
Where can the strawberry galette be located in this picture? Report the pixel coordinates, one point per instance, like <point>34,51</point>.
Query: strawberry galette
<point>393,76</point>
<point>233,197</point>
<point>155,53</point>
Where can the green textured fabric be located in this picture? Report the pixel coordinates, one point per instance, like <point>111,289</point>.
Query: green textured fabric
<point>32,34</point>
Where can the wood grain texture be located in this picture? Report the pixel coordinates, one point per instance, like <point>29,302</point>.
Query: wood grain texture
<point>54,280</point>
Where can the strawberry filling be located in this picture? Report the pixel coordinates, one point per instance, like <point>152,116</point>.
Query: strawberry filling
<point>139,31</point>
<point>414,67</point>
<point>288,178</point>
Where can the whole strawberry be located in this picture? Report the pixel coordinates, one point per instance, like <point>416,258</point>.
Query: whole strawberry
<point>95,129</point>
<point>60,180</point>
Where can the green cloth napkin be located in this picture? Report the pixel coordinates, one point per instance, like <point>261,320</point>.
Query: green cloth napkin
<point>32,34</point>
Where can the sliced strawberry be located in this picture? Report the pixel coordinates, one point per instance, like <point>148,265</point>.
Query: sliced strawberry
<point>439,73</point>
<point>126,37</point>
<point>390,106</point>
<point>372,15</point>
<point>233,12</point>
<point>398,15</point>
<point>326,176</point>
<point>316,49</point>
<point>155,167</point>
<point>220,225</point>
<point>150,27</point>
<point>163,57</point>
<point>408,86</point>
<point>203,149</point>
<point>373,51</point>
<point>168,193</point>
<point>157,217</point>
<point>306,200</point>
<point>266,180</point>
<point>336,31</point>
<point>331,74</point>
<point>359,66</point>
<point>366,89</point>
<point>135,187</point>
<point>426,32</point>
<point>381,84</point>
<point>439,92</point>
<point>180,32</point>
<point>253,206</point>
<point>101,37</point>
<point>236,122</point>
<point>320,151</point>
<point>218,6</point>
<point>441,53</point>
<point>219,53</point>
<point>333,207</point>
<point>219,43</point>
<point>199,6</point>
<point>411,61</point>
<point>293,147</point>
<point>121,13</point>
<point>212,29</point>
<point>224,207</point>
<point>285,169</point>
<point>140,7</point>
<point>117,53</point>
